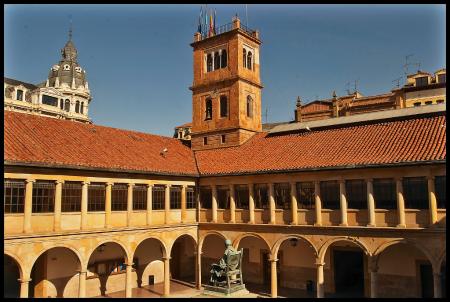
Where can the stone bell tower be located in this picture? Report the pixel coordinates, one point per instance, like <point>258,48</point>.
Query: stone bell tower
<point>226,91</point>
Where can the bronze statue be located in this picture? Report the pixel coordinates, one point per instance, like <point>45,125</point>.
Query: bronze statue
<point>228,272</point>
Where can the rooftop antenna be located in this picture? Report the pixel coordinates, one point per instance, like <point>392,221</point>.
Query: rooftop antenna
<point>70,28</point>
<point>397,80</point>
<point>246,16</point>
<point>407,64</point>
<point>265,114</point>
<point>356,84</point>
<point>347,85</point>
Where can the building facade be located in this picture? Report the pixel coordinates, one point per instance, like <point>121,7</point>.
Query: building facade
<point>353,206</point>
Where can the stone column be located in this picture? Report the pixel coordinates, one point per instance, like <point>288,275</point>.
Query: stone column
<point>198,270</point>
<point>272,203</point>
<point>167,205</point>
<point>214,203</point>
<point>166,276</point>
<point>149,204</point>
<point>128,284</point>
<point>251,203</point>
<point>24,287</point>
<point>370,203</point>
<point>318,204</point>
<point>432,201</point>
<point>108,205</point>
<point>232,205</point>
<point>82,284</point>
<point>343,200</point>
<point>294,203</point>
<point>437,285</point>
<point>84,204</point>
<point>129,203</point>
<point>273,278</point>
<point>28,206</point>
<point>400,204</point>
<point>373,268</point>
<point>183,203</point>
<point>320,280</point>
<point>58,195</point>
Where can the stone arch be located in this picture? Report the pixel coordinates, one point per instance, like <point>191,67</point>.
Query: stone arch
<point>22,269</point>
<point>382,247</point>
<point>60,245</point>
<point>324,248</point>
<point>442,258</point>
<point>178,237</point>
<point>242,236</point>
<point>280,241</point>
<point>202,240</point>
<point>183,252</point>
<point>120,243</point>
<point>163,244</point>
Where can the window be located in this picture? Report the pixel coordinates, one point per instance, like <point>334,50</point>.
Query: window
<point>159,197</point>
<point>261,197</point>
<point>439,101</point>
<point>439,183</point>
<point>428,102</point>
<point>384,193</point>
<point>208,110</point>
<point>223,61</point>
<point>329,194</point>
<point>139,197</point>
<point>209,63</point>
<point>81,107</point>
<point>441,78</point>
<point>282,196</point>
<point>249,106</point>
<point>305,195</point>
<point>356,194</point>
<point>77,107</point>
<point>119,197</point>
<point>222,138</point>
<point>43,197</point>
<point>223,197</point>
<point>249,60</point>
<point>241,196</point>
<point>96,197</point>
<point>216,61</point>
<point>205,140</point>
<point>244,57</point>
<point>223,106</point>
<point>49,100</point>
<point>415,192</point>
<point>175,197</point>
<point>190,198</point>
<point>421,81</point>
<point>205,197</point>
<point>67,105</point>
<point>19,95</point>
<point>14,195</point>
<point>71,196</point>
<point>417,104</point>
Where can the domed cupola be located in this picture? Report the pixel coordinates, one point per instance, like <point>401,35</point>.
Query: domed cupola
<point>68,73</point>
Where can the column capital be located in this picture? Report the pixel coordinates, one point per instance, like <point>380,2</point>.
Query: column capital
<point>24,280</point>
<point>30,180</point>
<point>86,182</point>
<point>293,182</point>
<point>149,185</point>
<point>273,259</point>
<point>431,177</point>
<point>109,183</point>
<point>184,186</point>
<point>398,178</point>
<point>214,186</point>
<point>341,180</point>
<point>319,263</point>
<point>131,184</point>
<point>166,258</point>
<point>370,179</point>
<point>59,181</point>
<point>168,185</point>
<point>129,264</point>
<point>81,271</point>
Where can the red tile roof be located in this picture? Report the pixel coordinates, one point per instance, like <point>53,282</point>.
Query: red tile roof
<point>49,141</point>
<point>402,141</point>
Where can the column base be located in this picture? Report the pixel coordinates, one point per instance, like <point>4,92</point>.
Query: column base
<point>317,224</point>
<point>343,224</point>
<point>251,222</point>
<point>293,223</point>
<point>371,225</point>
<point>401,225</point>
<point>271,222</point>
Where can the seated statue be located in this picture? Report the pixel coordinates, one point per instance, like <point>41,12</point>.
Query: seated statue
<point>229,268</point>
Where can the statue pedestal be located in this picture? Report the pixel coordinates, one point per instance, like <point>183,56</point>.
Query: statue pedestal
<point>235,291</point>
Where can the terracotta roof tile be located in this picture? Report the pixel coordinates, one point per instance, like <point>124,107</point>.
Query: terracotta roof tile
<point>43,140</point>
<point>402,141</point>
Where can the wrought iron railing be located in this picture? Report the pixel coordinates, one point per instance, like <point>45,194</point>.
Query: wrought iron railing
<point>226,28</point>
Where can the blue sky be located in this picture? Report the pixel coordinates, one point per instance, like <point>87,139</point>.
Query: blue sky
<point>139,62</point>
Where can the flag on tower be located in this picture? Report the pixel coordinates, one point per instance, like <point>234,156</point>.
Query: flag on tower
<point>214,27</point>
<point>200,20</point>
<point>211,25</point>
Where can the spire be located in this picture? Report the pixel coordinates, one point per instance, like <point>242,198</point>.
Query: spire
<point>299,101</point>
<point>70,30</point>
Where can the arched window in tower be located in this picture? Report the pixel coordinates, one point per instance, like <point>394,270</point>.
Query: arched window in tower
<point>224,58</point>
<point>244,58</point>
<point>81,108</point>
<point>61,104</point>
<point>208,111</point>
<point>249,106</point>
<point>77,107</point>
<point>209,63</point>
<point>249,60</point>
<point>67,105</point>
<point>216,60</point>
<point>223,106</point>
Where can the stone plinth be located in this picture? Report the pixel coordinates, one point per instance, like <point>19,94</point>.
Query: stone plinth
<point>235,291</point>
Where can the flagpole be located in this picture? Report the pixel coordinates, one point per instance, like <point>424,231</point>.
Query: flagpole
<point>246,16</point>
